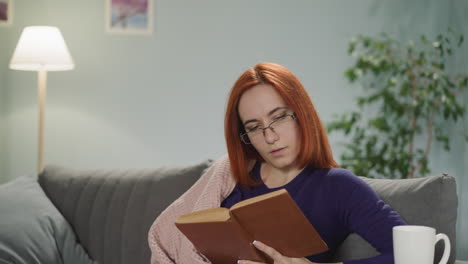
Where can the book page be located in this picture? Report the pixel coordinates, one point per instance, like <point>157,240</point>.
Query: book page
<point>208,215</point>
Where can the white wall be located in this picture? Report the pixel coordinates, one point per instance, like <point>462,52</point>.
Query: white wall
<point>3,90</point>
<point>455,163</point>
<point>148,101</point>
<point>136,101</point>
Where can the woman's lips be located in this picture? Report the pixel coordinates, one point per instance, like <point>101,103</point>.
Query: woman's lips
<point>278,152</point>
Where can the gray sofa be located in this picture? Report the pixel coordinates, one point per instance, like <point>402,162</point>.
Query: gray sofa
<point>106,213</point>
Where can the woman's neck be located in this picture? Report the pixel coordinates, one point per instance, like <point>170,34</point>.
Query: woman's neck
<point>274,177</point>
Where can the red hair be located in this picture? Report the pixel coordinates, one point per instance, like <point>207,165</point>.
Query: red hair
<point>315,149</point>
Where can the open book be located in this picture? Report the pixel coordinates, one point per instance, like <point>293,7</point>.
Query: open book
<point>226,235</point>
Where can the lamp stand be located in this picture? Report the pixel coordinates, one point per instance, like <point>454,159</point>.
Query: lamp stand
<point>42,81</point>
<point>41,49</point>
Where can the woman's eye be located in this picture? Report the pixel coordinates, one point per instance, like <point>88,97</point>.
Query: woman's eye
<point>281,117</point>
<point>251,129</point>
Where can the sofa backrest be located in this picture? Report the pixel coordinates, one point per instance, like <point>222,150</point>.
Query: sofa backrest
<point>111,210</point>
<point>430,201</point>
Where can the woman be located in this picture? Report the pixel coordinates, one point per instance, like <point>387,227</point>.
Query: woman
<point>275,140</point>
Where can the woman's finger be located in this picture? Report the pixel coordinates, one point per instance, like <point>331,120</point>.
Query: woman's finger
<point>248,262</point>
<point>275,255</point>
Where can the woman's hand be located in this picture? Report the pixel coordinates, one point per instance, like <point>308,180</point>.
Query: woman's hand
<point>276,256</point>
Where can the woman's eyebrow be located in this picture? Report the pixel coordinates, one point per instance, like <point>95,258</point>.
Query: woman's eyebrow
<point>250,121</point>
<point>276,109</point>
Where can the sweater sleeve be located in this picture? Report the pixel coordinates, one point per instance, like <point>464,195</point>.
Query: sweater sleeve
<point>362,212</point>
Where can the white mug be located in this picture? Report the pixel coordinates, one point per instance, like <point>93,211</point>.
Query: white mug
<point>415,245</point>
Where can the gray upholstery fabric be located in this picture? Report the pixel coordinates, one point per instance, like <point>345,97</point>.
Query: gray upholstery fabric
<point>32,230</point>
<point>112,210</point>
<point>430,201</point>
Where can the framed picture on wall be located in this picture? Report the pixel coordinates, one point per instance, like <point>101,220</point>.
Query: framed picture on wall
<point>129,16</point>
<point>6,12</point>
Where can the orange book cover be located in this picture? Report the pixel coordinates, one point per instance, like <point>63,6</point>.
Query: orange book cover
<point>226,235</point>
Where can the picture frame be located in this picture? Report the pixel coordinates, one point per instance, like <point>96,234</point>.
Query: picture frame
<point>6,12</point>
<point>129,16</point>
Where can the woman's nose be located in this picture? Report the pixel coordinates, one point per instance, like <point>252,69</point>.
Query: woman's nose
<point>270,135</point>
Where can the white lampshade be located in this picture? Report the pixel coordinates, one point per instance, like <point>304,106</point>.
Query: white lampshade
<point>41,48</point>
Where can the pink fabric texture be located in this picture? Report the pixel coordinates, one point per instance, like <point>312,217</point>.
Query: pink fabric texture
<point>167,243</point>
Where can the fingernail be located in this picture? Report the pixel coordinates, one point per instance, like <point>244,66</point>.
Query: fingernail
<point>255,241</point>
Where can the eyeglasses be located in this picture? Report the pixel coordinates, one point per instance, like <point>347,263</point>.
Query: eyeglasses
<point>254,133</point>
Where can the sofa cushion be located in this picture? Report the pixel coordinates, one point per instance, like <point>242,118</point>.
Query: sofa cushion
<point>112,210</point>
<point>32,230</point>
<point>430,201</point>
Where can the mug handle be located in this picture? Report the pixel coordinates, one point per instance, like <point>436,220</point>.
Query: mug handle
<point>446,255</point>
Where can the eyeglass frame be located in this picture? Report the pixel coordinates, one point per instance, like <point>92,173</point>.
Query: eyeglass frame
<point>242,135</point>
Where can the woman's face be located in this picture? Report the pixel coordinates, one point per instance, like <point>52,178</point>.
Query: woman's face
<point>258,108</point>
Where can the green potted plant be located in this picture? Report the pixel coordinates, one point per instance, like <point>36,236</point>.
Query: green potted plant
<point>409,96</point>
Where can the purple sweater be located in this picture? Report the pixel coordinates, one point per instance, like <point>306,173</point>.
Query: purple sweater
<point>337,203</point>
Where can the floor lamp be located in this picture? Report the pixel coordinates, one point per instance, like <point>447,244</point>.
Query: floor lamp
<point>41,49</point>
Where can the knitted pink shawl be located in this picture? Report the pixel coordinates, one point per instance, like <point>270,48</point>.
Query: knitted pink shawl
<point>167,243</point>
